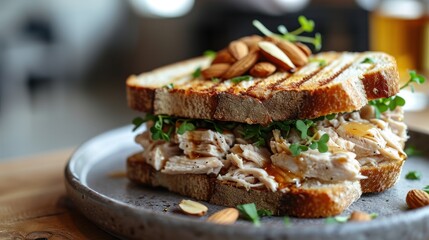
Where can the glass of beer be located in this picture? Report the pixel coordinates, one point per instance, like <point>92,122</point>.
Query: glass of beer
<point>401,28</point>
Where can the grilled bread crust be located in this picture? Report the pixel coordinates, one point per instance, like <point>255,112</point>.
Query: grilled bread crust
<point>380,177</point>
<point>310,200</point>
<point>345,83</point>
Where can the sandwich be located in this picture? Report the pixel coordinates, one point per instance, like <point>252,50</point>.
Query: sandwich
<point>266,121</point>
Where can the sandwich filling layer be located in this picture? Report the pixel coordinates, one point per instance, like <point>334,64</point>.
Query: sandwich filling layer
<point>355,139</point>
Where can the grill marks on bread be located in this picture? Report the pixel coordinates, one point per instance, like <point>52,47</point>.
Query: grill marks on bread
<point>344,83</point>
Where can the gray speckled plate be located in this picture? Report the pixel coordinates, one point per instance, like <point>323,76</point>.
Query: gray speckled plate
<point>98,189</point>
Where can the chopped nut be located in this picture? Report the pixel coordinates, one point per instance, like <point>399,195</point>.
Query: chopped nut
<point>215,70</point>
<point>262,69</point>
<point>238,49</point>
<point>241,66</point>
<point>358,216</point>
<point>306,50</point>
<point>417,198</point>
<point>224,216</point>
<point>193,208</point>
<point>223,56</point>
<point>275,55</point>
<point>291,50</point>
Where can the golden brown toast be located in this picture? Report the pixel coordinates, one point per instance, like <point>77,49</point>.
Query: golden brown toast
<point>343,84</point>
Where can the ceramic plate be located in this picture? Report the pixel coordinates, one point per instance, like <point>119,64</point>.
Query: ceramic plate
<point>96,184</point>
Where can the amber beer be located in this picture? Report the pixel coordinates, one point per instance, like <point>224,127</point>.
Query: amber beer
<point>407,39</point>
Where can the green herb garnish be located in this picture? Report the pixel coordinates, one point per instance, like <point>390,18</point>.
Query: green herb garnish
<point>169,86</point>
<point>303,127</point>
<point>286,221</point>
<point>265,213</point>
<point>414,78</point>
<point>249,212</point>
<point>322,62</point>
<point>164,126</point>
<point>306,26</point>
<point>216,80</point>
<point>413,175</point>
<point>383,104</point>
<point>426,189</point>
<point>241,78</point>
<point>197,72</point>
<point>412,151</point>
<point>373,215</point>
<point>368,60</point>
<point>210,53</point>
<point>185,126</point>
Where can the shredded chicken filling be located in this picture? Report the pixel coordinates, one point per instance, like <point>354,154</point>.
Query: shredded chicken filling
<point>356,139</point>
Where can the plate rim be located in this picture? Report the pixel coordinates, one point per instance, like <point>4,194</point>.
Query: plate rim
<point>73,183</point>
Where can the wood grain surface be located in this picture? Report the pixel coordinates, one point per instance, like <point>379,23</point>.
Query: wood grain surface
<point>33,202</point>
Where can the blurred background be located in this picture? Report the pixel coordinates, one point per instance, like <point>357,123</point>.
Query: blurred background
<point>63,63</point>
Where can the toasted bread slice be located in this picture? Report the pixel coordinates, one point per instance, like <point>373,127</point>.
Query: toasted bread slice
<point>309,200</point>
<point>344,84</point>
<point>380,177</point>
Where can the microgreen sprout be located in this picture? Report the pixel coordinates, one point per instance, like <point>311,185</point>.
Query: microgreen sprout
<point>383,104</point>
<point>322,62</point>
<point>426,189</point>
<point>306,26</point>
<point>197,72</point>
<point>412,151</point>
<point>169,86</point>
<point>413,175</point>
<point>249,212</point>
<point>210,53</point>
<point>368,60</point>
<point>241,78</point>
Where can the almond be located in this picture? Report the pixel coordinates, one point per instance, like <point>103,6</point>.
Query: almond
<point>417,198</point>
<point>275,55</point>
<point>251,40</point>
<point>223,56</point>
<point>193,208</point>
<point>293,52</point>
<point>241,66</point>
<point>215,70</point>
<point>238,49</point>
<point>262,69</point>
<point>358,216</point>
<point>224,216</point>
<point>304,48</point>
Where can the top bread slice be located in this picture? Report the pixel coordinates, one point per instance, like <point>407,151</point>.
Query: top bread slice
<point>345,82</point>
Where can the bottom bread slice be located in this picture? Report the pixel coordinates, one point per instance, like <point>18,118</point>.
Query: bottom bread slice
<point>310,200</point>
<point>380,177</point>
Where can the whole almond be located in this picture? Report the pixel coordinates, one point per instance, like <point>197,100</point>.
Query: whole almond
<point>223,56</point>
<point>241,66</point>
<point>304,48</point>
<point>215,70</point>
<point>193,208</point>
<point>224,216</point>
<point>358,216</point>
<point>291,50</point>
<point>262,69</point>
<point>417,198</point>
<point>238,49</point>
<point>251,40</point>
<point>275,55</point>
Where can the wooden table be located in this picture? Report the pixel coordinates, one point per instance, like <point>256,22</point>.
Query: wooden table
<point>33,202</point>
